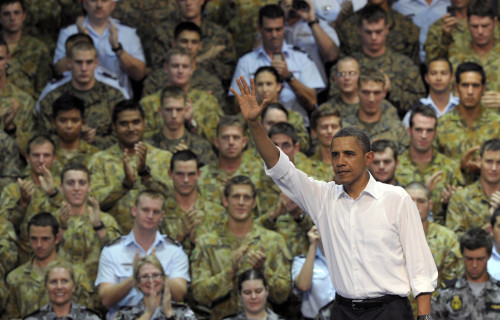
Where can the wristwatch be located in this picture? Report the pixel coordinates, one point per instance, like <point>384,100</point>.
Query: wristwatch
<point>425,317</point>
<point>290,77</point>
<point>146,171</point>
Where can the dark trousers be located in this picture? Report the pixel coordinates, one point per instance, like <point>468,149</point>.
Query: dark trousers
<point>399,309</point>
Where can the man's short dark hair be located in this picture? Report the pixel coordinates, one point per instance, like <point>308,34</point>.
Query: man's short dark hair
<point>494,217</point>
<point>361,136</point>
<point>274,105</point>
<point>67,102</point>
<point>269,69</point>
<point>78,37</point>
<point>39,140</point>
<point>270,11</point>
<point>325,110</point>
<point>370,74</point>
<point>382,144</point>
<point>44,219</point>
<point>436,59</point>
<point>7,2</point>
<point>186,26</point>
<point>177,51</point>
<point>490,145</point>
<point>75,166</point>
<point>286,129</point>
<point>481,8</point>
<point>239,180</point>
<point>372,13</point>
<point>81,46</point>
<point>230,121</point>
<point>470,67</point>
<point>476,238</point>
<point>173,92</point>
<point>423,110</point>
<point>125,105</point>
<point>184,155</point>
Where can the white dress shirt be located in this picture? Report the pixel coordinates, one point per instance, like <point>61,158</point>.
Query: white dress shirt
<point>452,103</point>
<point>494,264</point>
<point>374,245</point>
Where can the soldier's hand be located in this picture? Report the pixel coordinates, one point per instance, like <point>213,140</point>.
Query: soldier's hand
<point>278,211</point>
<point>127,168</point>
<point>494,201</point>
<point>448,22</point>
<point>307,14</point>
<point>257,259</point>
<point>27,189</point>
<point>448,192</point>
<point>313,235</point>
<point>280,66</point>
<point>47,182</point>
<point>491,99</point>
<point>467,162</point>
<point>388,86</point>
<point>433,180</point>
<point>188,112</point>
<point>141,151</point>
<point>113,34</point>
<point>88,133</point>
<point>64,215</point>
<point>211,53</point>
<point>94,212</point>
<point>167,300</point>
<point>181,146</point>
<point>237,257</point>
<point>10,115</point>
<point>79,25</point>
<point>250,109</point>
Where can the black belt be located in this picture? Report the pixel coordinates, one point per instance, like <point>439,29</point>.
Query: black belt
<point>366,304</point>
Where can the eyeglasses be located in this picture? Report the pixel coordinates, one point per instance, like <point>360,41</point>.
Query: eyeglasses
<point>152,276</point>
<point>344,74</point>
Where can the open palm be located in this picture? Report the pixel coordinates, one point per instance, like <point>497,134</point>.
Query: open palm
<point>249,106</point>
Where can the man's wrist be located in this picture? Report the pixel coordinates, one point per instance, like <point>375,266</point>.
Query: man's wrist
<point>424,317</point>
<point>312,22</point>
<point>100,226</point>
<point>53,193</point>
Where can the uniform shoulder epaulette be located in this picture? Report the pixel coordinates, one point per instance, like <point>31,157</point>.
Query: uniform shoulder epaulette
<point>171,240</point>
<point>34,313</point>
<point>295,48</point>
<point>449,283</point>
<point>301,256</point>
<point>114,241</point>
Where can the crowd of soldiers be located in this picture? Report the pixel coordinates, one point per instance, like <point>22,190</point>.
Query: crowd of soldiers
<point>120,138</point>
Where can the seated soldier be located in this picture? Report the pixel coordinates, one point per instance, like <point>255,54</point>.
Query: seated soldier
<point>10,163</point>
<point>385,162</point>
<point>36,192</point>
<point>174,136</point>
<point>222,255</point>
<point>26,283</point>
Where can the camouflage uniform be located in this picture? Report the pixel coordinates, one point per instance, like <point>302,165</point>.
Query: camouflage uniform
<point>408,171</point>
<point>27,290</point>
<point>30,61</point>
<point>407,86</point>
<point>200,79</point>
<point>212,35</point>
<point>8,248</point>
<point>198,145</point>
<point>347,110</point>
<point>454,137</point>
<point>81,245</point>
<point>403,35</point>
<point>206,112</point>
<point>76,312</point>
<point>174,220</point>
<point>211,262</point>
<point>144,15</point>
<point>4,295</point>
<point>45,18</point>
<point>10,164</point>
<point>181,311</point>
<point>455,300</point>
<point>107,177</point>
<point>468,208</point>
<point>336,103</point>
<point>242,316</point>
<point>99,103</point>
<point>20,217</point>
<point>240,18</point>
<point>385,128</point>
<point>82,155</point>
<point>437,46</point>
<point>322,171</point>
<point>26,117</point>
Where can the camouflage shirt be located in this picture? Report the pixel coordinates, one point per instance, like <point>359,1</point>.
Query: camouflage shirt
<point>346,110</point>
<point>211,263</point>
<point>99,103</point>
<point>408,171</point>
<point>322,171</point>
<point>108,174</point>
<point>76,312</point>
<point>181,311</point>
<point>8,248</point>
<point>10,163</point>
<point>27,290</point>
<point>198,145</point>
<point>206,113</point>
<point>403,35</point>
<point>455,300</point>
<point>468,208</point>
<point>437,46</point>
<point>385,128</point>
<point>81,155</point>
<point>242,316</point>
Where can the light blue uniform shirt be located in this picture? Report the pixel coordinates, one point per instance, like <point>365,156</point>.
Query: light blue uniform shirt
<point>452,103</point>
<point>494,264</point>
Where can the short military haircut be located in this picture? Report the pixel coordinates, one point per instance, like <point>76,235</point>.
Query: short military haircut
<point>177,51</point>
<point>382,144</point>
<point>437,59</point>
<point>251,274</point>
<point>186,26</point>
<point>372,13</point>
<point>75,166</point>
<point>81,46</point>
<point>68,102</point>
<point>184,155</point>
<point>494,217</point>
<point>3,43</point>
<point>78,37</point>
<point>276,106</point>
<point>44,219</point>
<point>271,70</point>
<point>335,67</point>
<point>360,135</point>
<point>39,140</point>
<point>230,121</point>
<point>286,129</point>
<point>325,110</point>
<point>423,110</point>
<point>417,185</point>
<point>239,180</point>
<point>481,8</point>
<point>126,105</point>
<point>371,74</point>
<point>490,145</point>
<point>173,92</point>
<point>152,194</point>
<point>57,264</point>
<point>270,11</point>
<point>470,67</point>
<point>7,2</point>
<point>476,238</point>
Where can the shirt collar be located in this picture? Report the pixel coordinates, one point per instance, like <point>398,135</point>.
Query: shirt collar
<point>130,240</point>
<point>370,189</point>
<point>284,49</point>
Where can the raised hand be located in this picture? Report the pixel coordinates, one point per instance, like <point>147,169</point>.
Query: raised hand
<point>27,190</point>
<point>250,108</point>
<point>47,181</point>
<point>237,257</point>
<point>433,180</point>
<point>94,212</point>
<point>141,151</point>
<point>127,168</point>
<point>64,215</point>
<point>167,300</point>
<point>257,258</point>
<point>313,235</point>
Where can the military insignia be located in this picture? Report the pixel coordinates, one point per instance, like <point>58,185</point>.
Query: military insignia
<point>456,303</point>
<point>435,294</point>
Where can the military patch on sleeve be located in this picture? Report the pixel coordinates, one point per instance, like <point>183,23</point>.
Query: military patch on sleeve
<point>456,303</point>
<point>494,307</point>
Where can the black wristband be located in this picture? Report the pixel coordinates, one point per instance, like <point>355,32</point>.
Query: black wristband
<point>11,131</point>
<point>313,22</point>
<point>117,48</point>
<point>54,194</point>
<point>146,171</point>
<point>127,185</point>
<point>99,227</point>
